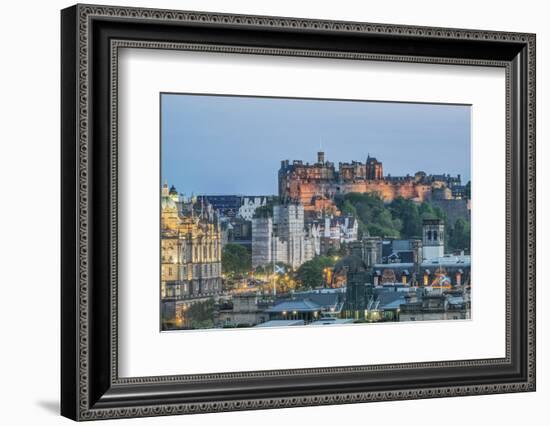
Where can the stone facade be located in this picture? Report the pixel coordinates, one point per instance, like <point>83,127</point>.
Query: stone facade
<point>243,310</point>
<point>249,205</point>
<point>190,250</point>
<point>308,183</point>
<point>436,306</point>
<point>433,238</point>
<point>262,243</point>
<point>284,238</point>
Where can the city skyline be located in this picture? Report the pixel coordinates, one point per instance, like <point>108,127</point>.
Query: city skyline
<point>323,251</point>
<point>257,133</point>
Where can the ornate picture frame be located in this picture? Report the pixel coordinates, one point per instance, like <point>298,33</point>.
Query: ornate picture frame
<point>91,37</point>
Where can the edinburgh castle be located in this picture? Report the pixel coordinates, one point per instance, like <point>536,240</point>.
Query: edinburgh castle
<point>316,185</point>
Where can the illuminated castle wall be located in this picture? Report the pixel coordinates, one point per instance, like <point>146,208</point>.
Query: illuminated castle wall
<point>308,184</point>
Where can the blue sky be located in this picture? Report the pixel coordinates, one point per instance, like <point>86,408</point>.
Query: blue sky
<point>234,145</point>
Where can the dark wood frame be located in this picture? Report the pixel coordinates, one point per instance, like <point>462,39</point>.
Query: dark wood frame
<point>90,386</point>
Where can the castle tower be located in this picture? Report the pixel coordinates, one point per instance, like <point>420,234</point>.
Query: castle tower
<point>321,157</point>
<point>373,169</point>
<point>433,238</point>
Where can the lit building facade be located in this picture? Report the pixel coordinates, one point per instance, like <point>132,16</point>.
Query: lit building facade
<point>308,183</point>
<point>190,253</point>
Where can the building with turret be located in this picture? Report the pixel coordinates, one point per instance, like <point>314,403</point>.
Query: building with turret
<point>433,238</point>
<point>308,184</point>
<point>190,242</point>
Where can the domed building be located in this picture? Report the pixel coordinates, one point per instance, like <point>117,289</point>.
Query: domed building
<point>191,267</point>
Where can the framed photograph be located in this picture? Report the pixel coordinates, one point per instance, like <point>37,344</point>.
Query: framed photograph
<point>264,212</point>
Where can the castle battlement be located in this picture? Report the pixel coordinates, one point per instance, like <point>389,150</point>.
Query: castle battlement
<point>306,183</point>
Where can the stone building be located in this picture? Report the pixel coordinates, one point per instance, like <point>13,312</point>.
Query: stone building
<point>359,288</point>
<point>283,238</point>
<point>289,226</point>
<point>249,205</point>
<point>333,231</point>
<point>433,238</point>
<point>190,246</point>
<point>436,306</point>
<point>342,228</point>
<point>239,206</point>
<point>243,310</point>
<point>369,250</point>
<point>307,183</point>
<point>262,241</point>
<point>224,205</point>
<point>449,271</point>
<point>236,231</point>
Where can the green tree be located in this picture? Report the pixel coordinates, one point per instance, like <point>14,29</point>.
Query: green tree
<point>407,212</point>
<point>348,209</point>
<point>236,259</point>
<point>426,211</point>
<point>310,273</point>
<point>372,216</point>
<point>401,218</point>
<point>200,314</point>
<point>460,235</point>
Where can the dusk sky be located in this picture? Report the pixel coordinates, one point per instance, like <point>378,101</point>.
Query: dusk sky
<point>234,145</point>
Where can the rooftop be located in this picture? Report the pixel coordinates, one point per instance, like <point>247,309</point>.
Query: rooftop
<point>447,260</point>
<point>281,323</point>
<point>332,321</point>
<point>304,305</point>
